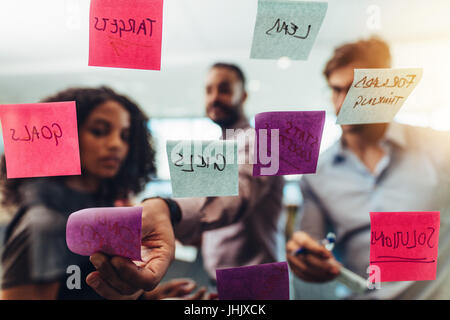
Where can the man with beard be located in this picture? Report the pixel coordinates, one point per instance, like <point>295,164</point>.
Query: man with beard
<point>246,227</point>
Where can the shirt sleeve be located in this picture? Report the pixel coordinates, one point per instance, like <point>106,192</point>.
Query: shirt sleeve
<point>434,142</point>
<point>15,263</point>
<point>49,253</point>
<point>312,218</point>
<point>203,214</point>
<point>37,251</point>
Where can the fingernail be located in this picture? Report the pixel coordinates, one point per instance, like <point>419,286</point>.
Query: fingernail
<point>94,262</point>
<point>94,282</point>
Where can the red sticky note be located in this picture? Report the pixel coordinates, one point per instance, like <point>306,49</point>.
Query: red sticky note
<point>41,139</point>
<point>126,33</point>
<point>404,245</point>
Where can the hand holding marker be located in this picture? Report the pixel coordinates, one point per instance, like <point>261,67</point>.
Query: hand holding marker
<point>353,281</point>
<point>328,243</point>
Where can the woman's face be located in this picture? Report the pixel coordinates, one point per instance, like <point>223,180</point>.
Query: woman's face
<point>104,141</point>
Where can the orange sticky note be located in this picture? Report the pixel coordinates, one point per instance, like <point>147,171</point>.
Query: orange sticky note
<point>41,139</point>
<point>126,33</point>
<point>404,245</point>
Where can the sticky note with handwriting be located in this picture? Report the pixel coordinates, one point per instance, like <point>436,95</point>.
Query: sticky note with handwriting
<point>286,29</point>
<point>294,148</point>
<point>376,95</point>
<point>268,281</point>
<point>126,33</point>
<point>115,231</point>
<point>203,168</point>
<point>404,245</point>
<point>41,139</point>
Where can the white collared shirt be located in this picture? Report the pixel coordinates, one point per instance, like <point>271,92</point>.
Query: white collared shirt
<point>414,175</point>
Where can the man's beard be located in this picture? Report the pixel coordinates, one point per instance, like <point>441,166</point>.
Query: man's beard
<point>232,114</point>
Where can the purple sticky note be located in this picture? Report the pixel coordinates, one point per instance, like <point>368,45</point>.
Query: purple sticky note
<point>268,281</point>
<point>114,231</point>
<point>300,134</point>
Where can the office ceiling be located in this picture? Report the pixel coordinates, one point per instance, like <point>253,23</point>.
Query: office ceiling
<point>44,48</point>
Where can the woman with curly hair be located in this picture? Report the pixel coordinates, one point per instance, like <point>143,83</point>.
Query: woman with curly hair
<point>117,160</point>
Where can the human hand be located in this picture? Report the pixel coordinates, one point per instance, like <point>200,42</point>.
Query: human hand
<point>179,289</point>
<point>317,264</point>
<point>120,278</point>
<point>174,288</point>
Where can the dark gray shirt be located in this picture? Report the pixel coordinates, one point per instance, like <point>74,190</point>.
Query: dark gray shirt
<point>36,250</point>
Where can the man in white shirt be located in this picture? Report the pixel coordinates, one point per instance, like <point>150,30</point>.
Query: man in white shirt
<point>373,168</point>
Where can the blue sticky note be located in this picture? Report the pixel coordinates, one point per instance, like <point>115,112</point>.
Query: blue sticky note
<point>203,168</point>
<point>286,28</point>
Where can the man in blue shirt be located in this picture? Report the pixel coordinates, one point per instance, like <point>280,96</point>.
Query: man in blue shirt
<point>371,168</point>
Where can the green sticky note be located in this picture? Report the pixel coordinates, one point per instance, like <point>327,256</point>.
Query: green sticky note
<point>286,28</point>
<point>203,168</point>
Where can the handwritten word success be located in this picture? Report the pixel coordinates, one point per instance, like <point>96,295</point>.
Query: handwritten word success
<point>300,134</point>
<point>376,95</point>
<point>126,33</point>
<point>114,231</point>
<point>286,29</point>
<point>40,139</point>
<point>203,168</point>
<point>404,245</point>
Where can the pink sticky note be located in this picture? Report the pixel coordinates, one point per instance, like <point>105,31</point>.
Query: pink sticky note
<point>114,231</point>
<point>404,245</point>
<point>126,33</point>
<point>268,281</point>
<point>41,139</point>
<point>300,134</point>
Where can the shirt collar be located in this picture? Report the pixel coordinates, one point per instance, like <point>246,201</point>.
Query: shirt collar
<point>395,134</point>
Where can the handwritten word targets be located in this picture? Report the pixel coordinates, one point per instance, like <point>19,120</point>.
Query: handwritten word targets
<point>114,231</point>
<point>41,139</point>
<point>376,95</point>
<point>300,134</point>
<point>126,33</point>
<point>203,168</point>
<point>404,245</point>
<point>286,29</point>
<point>268,281</point>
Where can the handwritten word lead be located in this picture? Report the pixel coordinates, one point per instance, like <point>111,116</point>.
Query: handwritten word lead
<point>280,27</point>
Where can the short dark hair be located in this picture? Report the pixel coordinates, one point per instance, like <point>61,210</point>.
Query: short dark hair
<point>138,167</point>
<point>232,67</point>
<point>374,52</point>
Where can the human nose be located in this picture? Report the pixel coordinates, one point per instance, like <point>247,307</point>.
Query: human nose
<point>115,141</point>
<point>212,95</point>
<point>338,100</point>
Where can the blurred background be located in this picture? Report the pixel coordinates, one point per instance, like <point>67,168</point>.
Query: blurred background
<point>44,49</point>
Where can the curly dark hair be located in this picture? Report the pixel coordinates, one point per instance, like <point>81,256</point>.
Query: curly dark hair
<point>139,165</point>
